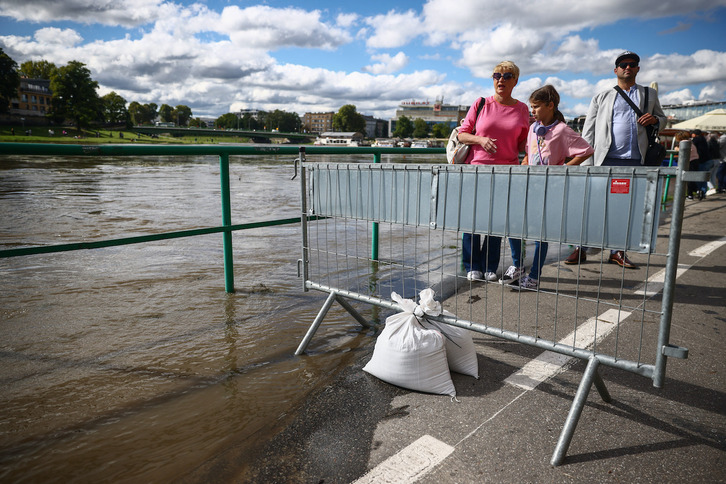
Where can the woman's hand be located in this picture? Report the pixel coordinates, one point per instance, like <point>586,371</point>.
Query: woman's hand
<point>489,144</point>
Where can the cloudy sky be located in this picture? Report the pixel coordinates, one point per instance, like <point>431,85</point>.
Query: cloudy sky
<point>219,56</point>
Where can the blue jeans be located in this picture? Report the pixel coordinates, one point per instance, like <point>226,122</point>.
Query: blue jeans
<point>705,166</point>
<point>485,258</point>
<point>721,175</point>
<point>540,254</point>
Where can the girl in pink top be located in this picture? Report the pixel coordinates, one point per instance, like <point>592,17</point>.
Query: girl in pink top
<point>495,137</point>
<point>549,142</point>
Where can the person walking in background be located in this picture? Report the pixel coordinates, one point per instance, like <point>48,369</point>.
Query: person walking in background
<point>698,189</point>
<point>714,157</point>
<point>501,130</point>
<point>721,172</point>
<point>693,155</point>
<point>549,142</point>
<point>617,133</point>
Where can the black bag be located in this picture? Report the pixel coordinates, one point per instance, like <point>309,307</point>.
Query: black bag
<point>656,152</point>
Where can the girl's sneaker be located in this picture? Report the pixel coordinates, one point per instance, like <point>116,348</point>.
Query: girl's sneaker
<point>529,283</point>
<point>513,274</point>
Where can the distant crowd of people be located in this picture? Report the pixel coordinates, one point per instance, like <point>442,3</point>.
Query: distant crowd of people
<point>708,153</point>
<point>615,133</point>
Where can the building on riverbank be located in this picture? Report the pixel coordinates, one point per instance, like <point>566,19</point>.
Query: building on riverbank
<point>431,112</point>
<point>33,99</point>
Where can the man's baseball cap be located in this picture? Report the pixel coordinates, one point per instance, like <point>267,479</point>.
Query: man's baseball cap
<point>627,55</point>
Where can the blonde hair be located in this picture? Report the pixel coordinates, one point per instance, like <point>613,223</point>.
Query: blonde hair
<point>507,66</point>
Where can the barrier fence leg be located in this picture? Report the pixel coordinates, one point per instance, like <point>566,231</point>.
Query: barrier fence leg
<point>314,327</point>
<point>353,312</point>
<point>591,376</point>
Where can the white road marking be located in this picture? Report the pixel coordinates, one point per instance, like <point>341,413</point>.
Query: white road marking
<point>706,249</point>
<point>548,364</point>
<point>655,283</point>
<point>410,464</point>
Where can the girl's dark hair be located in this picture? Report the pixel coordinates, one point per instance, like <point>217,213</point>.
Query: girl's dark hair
<point>548,94</point>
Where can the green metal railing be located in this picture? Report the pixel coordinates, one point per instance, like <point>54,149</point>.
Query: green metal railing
<point>224,152</point>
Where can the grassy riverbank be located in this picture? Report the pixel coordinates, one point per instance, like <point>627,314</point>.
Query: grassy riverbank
<point>42,134</point>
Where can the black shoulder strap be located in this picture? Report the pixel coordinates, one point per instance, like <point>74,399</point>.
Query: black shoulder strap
<point>629,101</point>
<point>478,110</point>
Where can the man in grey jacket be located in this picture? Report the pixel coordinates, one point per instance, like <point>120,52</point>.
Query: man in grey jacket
<point>617,133</point>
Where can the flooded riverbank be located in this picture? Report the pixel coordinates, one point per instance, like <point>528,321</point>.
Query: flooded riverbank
<point>131,363</point>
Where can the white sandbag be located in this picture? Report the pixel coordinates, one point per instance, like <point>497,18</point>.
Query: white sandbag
<point>410,356</point>
<point>460,350</point>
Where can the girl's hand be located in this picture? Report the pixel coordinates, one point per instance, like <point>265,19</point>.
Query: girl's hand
<point>489,144</point>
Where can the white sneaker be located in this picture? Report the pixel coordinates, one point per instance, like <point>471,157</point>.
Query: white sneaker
<point>512,274</point>
<point>490,277</point>
<point>475,276</point>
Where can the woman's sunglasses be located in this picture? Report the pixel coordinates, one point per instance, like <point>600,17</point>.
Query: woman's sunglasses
<point>498,75</point>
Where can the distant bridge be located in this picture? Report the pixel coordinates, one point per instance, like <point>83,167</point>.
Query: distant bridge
<point>255,136</point>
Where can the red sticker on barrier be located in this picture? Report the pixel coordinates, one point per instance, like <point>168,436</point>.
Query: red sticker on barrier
<point>619,185</point>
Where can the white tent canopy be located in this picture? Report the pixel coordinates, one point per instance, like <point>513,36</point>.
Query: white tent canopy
<point>711,121</point>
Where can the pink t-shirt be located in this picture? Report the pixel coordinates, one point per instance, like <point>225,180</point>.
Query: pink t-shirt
<point>558,143</point>
<point>506,124</point>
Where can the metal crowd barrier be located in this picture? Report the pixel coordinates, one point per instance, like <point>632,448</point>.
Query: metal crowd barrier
<point>602,313</point>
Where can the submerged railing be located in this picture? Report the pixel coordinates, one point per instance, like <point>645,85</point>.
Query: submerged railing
<point>223,152</point>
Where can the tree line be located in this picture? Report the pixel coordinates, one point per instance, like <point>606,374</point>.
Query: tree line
<point>75,97</point>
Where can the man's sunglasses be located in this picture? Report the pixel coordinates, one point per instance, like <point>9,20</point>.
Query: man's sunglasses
<point>507,76</point>
<point>632,65</point>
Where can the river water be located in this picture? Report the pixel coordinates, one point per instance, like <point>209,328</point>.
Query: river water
<point>131,363</point>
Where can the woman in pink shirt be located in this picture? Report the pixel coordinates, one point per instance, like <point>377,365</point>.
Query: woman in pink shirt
<point>496,137</point>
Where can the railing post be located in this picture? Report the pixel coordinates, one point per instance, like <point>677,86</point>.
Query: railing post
<point>226,222</point>
<point>674,246</point>
<point>374,225</point>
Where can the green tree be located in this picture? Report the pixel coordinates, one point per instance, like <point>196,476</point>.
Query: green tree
<point>249,122</point>
<point>404,127</point>
<point>9,81</point>
<point>166,113</point>
<point>41,69</point>
<point>420,128</point>
<point>227,121</point>
<point>114,109</point>
<point>197,123</point>
<point>347,119</point>
<point>282,121</point>
<point>142,113</point>
<point>182,114</point>
<point>440,130</point>
<point>74,94</point>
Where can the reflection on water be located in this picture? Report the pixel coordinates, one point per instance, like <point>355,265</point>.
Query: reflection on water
<point>132,363</point>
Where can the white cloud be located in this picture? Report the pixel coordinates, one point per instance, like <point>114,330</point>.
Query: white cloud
<point>387,64</point>
<point>676,97</point>
<point>393,29</point>
<point>269,28</point>
<point>128,13</point>
<point>346,20</point>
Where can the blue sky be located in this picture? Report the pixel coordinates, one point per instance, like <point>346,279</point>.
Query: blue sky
<point>219,56</point>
